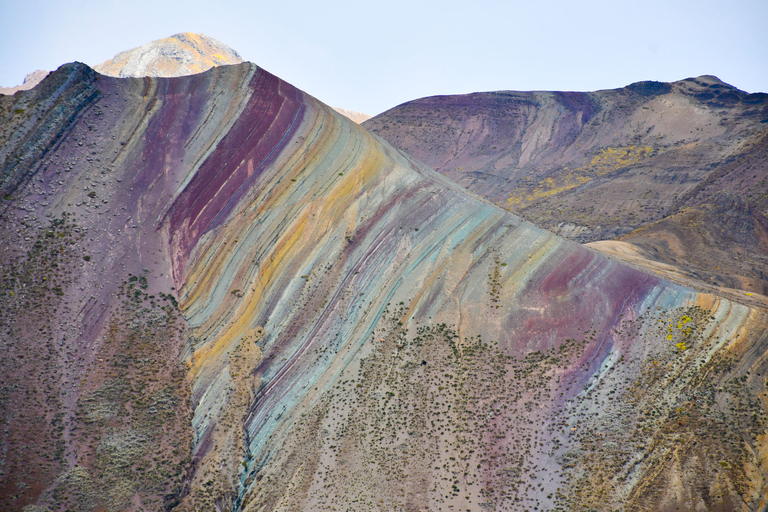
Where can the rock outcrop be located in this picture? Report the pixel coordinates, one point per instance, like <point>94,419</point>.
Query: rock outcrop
<point>178,55</point>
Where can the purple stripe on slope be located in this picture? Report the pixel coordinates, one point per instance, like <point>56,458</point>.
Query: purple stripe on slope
<point>273,113</point>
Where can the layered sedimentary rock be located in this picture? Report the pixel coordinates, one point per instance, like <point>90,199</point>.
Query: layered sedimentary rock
<point>219,293</point>
<point>178,55</point>
<point>614,163</point>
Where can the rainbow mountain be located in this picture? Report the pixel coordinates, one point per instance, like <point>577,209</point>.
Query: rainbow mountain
<point>220,294</point>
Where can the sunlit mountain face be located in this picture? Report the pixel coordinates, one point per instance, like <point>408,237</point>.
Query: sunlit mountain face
<point>220,294</point>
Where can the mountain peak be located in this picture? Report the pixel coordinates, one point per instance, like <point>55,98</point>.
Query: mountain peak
<point>181,54</point>
<point>706,81</point>
<point>31,80</point>
<point>357,117</point>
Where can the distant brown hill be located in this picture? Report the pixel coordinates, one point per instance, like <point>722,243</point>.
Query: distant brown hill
<point>677,169</point>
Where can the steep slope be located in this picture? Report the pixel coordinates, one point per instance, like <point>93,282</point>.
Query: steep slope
<point>178,55</point>
<point>355,330</point>
<point>601,165</point>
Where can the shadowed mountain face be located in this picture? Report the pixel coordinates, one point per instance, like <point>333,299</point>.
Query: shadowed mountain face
<point>597,166</point>
<point>220,294</point>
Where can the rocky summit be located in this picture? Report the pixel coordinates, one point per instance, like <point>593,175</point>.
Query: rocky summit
<point>178,55</point>
<point>31,80</point>
<point>357,117</point>
<point>220,294</point>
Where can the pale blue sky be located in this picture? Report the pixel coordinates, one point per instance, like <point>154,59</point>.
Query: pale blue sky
<point>369,57</point>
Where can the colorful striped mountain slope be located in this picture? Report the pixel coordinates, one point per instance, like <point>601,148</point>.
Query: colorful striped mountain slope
<point>220,294</point>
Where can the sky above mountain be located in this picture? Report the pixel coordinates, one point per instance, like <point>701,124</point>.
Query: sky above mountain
<point>369,57</point>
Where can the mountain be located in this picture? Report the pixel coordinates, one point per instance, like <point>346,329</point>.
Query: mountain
<point>31,80</point>
<point>355,116</point>
<point>676,171</point>
<point>219,294</point>
<point>178,55</point>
